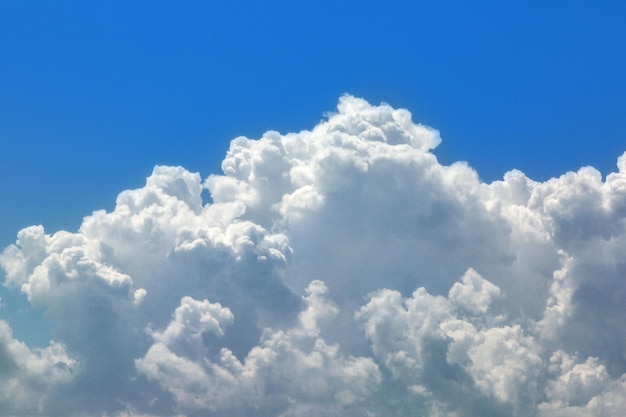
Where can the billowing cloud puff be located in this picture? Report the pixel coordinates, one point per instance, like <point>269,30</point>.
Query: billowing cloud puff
<point>338,271</point>
<point>287,365</point>
<point>29,378</point>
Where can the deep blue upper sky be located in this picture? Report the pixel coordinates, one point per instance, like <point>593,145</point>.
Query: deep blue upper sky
<point>94,94</point>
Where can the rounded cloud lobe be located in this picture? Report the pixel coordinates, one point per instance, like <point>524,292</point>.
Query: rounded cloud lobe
<point>339,271</point>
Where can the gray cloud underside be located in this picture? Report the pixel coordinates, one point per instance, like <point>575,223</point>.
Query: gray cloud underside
<point>341,271</point>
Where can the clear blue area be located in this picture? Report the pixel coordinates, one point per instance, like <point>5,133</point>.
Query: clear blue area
<point>94,94</point>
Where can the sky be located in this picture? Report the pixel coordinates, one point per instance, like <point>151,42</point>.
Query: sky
<point>323,208</point>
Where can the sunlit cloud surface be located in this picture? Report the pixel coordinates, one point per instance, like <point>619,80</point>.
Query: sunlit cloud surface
<point>338,271</point>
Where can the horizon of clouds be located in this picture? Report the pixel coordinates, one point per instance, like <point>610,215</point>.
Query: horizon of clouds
<point>337,271</point>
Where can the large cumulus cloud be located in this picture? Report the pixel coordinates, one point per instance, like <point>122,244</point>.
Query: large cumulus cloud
<point>337,271</point>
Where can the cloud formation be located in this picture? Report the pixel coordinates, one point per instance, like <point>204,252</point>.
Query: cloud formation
<point>339,271</point>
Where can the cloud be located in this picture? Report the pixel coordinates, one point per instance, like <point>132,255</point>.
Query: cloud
<point>287,365</point>
<point>338,271</point>
<point>29,377</point>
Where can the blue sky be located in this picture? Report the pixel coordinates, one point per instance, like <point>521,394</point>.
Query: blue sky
<point>93,95</point>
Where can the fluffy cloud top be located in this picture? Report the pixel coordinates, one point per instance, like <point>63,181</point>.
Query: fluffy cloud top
<point>340,271</point>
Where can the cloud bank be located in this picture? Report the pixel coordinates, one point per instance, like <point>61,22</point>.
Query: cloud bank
<point>338,271</point>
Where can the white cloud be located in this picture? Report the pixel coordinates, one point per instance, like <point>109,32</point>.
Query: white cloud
<point>434,348</point>
<point>288,367</point>
<point>474,293</point>
<point>340,271</point>
<point>29,378</point>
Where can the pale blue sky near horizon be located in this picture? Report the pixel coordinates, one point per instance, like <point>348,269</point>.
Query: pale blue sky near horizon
<point>94,94</point>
